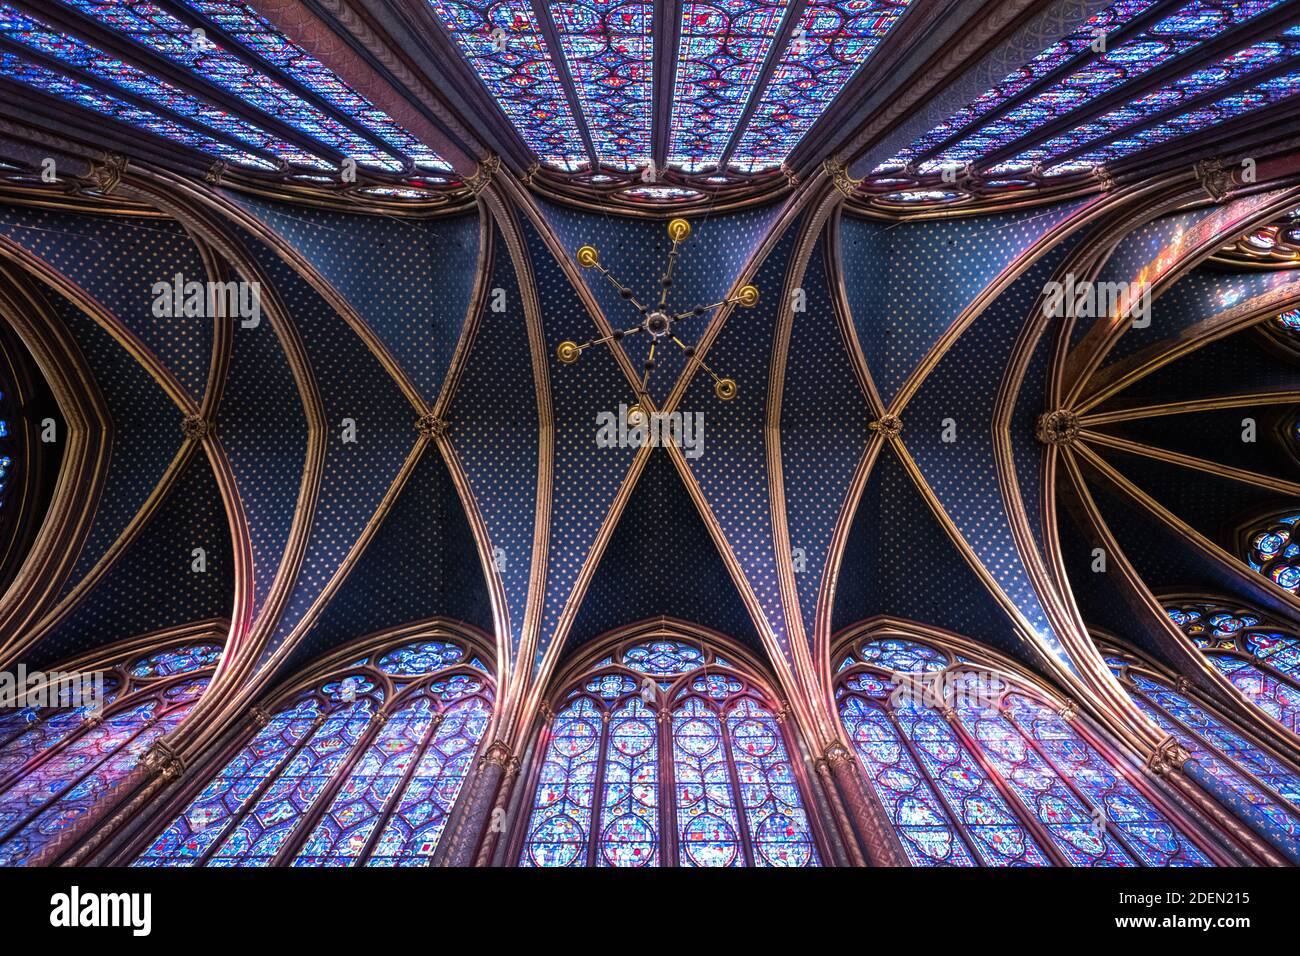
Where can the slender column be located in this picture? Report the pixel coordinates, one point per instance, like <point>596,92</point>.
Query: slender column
<point>827,822</point>
<point>843,825</point>
<point>866,814</point>
<point>466,833</point>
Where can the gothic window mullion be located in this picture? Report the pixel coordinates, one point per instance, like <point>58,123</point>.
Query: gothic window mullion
<point>956,819</point>
<point>742,817</point>
<point>597,786</point>
<point>668,843</point>
<point>399,791</point>
<point>1012,799</point>
<point>270,778</point>
<point>1214,750</point>
<point>1067,779</point>
<point>307,822</point>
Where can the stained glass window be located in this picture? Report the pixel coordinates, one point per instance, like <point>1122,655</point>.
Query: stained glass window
<point>58,756</point>
<point>1271,551</point>
<point>666,707</point>
<point>973,769</point>
<point>504,44</point>
<point>188,44</point>
<point>1245,766</point>
<point>45,39</point>
<point>831,41</point>
<point>252,32</point>
<point>609,47</point>
<point>1110,89</point>
<point>1259,659</point>
<point>719,57</point>
<point>59,84</point>
<point>361,766</point>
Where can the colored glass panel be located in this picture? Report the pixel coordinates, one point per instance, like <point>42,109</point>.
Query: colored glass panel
<point>609,46</point>
<point>708,825</point>
<point>1103,23</point>
<point>1078,831</point>
<point>188,45</point>
<point>629,811</point>
<point>663,657</point>
<point>561,821</point>
<point>342,833</point>
<point>1151,836</point>
<point>252,32</point>
<point>719,57</point>
<point>918,816</point>
<point>828,46</point>
<point>209,815</point>
<point>412,832</point>
<point>39,77</point>
<point>504,45</point>
<point>774,816</point>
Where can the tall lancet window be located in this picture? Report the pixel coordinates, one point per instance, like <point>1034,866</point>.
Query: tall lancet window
<point>83,727</point>
<point>1258,658</point>
<point>1265,780</point>
<point>665,753</point>
<point>357,764</point>
<point>977,766</point>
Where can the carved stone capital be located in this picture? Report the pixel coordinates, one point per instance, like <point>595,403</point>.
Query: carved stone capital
<point>1168,756</point>
<point>195,427</point>
<point>258,717</point>
<point>1214,179</point>
<point>107,175</point>
<point>1104,178</point>
<point>499,753</point>
<point>836,754</point>
<point>1069,709</point>
<point>529,176</point>
<point>163,760</point>
<point>839,174</point>
<point>1059,427</point>
<point>216,172</point>
<point>430,426</point>
<point>483,176</point>
<point>790,176</point>
<point>889,426</point>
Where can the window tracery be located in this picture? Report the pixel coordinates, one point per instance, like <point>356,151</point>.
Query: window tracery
<point>1261,660</point>
<point>359,764</point>
<point>56,760</point>
<point>665,753</point>
<point>977,767</point>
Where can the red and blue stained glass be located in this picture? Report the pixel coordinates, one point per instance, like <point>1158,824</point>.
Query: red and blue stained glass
<point>187,44</point>
<point>55,762</point>
<point>609,47</point>
<point>1261,661</point>
<point>826,48</point>
<point>971,772</point>
<point>324,783</point>
<point>720,55</point>
<point>504,44</point>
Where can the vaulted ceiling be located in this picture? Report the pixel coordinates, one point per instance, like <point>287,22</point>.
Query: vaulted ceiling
<point>409,183</point>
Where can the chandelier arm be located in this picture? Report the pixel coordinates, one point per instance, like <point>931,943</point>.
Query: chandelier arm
<point>623,290</point>
<point>666,279</point>
<point>611,337</point>
<point>695,358</point>
<point>649,366</point>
